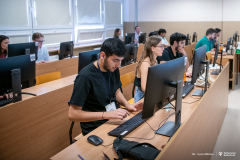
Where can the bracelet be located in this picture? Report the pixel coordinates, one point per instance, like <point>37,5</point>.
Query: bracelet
<point>102,115</point>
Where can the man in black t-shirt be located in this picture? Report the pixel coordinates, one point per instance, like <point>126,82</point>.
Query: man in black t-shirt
<point>175,50</point>
<point>97,89</point>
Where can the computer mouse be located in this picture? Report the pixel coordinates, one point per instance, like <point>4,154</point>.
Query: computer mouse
<point>95,140</point>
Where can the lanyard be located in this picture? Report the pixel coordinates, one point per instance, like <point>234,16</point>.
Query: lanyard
<point>107,87</point>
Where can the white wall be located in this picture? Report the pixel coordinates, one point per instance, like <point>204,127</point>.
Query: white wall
<point>231,11</point>
<point>129,10</point>
<point>179,10</point>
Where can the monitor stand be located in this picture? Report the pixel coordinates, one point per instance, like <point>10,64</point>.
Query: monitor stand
<point>217,72</point>
<point>169,128</point>
<point>200,92</point>
<point>16,85</point>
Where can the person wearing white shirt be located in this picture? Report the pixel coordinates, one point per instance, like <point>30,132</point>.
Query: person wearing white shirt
<point>162,33</point>
<point>137,34</point>
<point>43,54</point>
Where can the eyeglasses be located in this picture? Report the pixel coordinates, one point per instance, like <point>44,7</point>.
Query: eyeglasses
<point>160,46</point>
<point>40,41</point>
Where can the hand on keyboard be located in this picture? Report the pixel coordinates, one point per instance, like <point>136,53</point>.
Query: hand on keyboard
<point>201,80</point>
<point>135,106</point>
<point>6,96</point>
<point>116,114</point>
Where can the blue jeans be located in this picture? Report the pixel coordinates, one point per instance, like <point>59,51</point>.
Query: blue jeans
<point>138,94</point>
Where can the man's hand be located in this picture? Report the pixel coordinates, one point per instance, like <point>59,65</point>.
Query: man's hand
<point>116,114</point>
<point>135,106</point>
<point>188,74</point>
<point>7,96</point>
<point>181,50</point>
<point>41,62</point>
<point>213,50</point>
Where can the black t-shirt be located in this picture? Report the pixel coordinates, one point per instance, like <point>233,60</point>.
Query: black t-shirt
<point>90,92</point>
<point>168,55</point>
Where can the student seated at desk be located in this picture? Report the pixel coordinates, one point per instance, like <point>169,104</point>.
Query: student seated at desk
<point>152,34</point>
<point>4,41</point>
<point>162,33</point>
<point>207,40</point>
<point>152,48</point>
<point>175,50</point>
<point>43,54</point>
<point>216,37</point>
<point>137,34</point>
<point>117,33</point>
<point>97,89</point>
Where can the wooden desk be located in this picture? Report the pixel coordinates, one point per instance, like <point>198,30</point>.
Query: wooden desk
<point>232,60</point>
<point>188,49</point>
<point>201,124</point>
<point>67,67</point>
<point>37,127</point>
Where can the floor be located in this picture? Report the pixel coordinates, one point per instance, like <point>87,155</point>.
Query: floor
<point>228,142</point>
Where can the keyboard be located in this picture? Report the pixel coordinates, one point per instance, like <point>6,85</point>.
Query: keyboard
<point>4,102</point>
<point>128,126</point>
<point>187,89</point>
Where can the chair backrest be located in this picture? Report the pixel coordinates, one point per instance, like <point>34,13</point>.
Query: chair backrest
<point>209,57</point>
<point>140,50</point>
<point>47,77</point>
<point>127,78</point>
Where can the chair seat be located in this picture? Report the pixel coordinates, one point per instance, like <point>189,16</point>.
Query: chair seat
<point>131,101</point>
<point>47,77</point>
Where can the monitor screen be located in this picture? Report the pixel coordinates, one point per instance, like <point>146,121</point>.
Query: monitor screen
<point>129,38</point>
<point>26,64</point>
<point>158,90</point>
<point>198,67</point>
<point>130,55</point>
<point>187,39</point>
<point>86,58</point>
<point>142,38</point>
<point>194,37</point>
<point>216,54</point>
<point>19,49</point>
<point>228,44</point>
<point>164,84</point>
<point>66,50</point>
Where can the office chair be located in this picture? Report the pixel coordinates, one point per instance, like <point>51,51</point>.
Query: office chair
<point>70,130</point>
<point>47,77</point>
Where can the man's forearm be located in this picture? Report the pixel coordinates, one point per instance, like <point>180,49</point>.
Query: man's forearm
<point>121,99</point>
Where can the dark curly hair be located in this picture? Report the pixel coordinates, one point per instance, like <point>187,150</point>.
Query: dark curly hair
<point>113,46</point>
<point>177,37</point>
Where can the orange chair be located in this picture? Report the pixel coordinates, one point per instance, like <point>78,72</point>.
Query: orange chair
<point>47,77</point>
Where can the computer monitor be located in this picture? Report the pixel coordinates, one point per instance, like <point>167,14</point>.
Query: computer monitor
<point>215,59</point>
<point>228,44</point>
<point>19,49</point>
<point>17,73</point>
<point>129,38</point>
<point>164,84</point>
<point>66,50</point>
<point>142,38</point>
<point>86,58</point>
<point>187,39</point>
<point>199,67</point>
<point>194,37</point>
<point>130,55</point>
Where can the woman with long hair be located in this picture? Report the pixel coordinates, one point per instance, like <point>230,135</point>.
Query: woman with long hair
<point>117,33</point>
<point>152,48</point>
<point>4,41</point>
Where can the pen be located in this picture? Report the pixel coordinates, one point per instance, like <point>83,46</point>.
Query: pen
<point>81,157</point>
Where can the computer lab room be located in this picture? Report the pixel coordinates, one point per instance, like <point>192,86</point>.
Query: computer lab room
<point>119,79</point>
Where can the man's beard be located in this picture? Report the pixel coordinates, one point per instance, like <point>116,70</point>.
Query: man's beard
<point>106,66</point>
